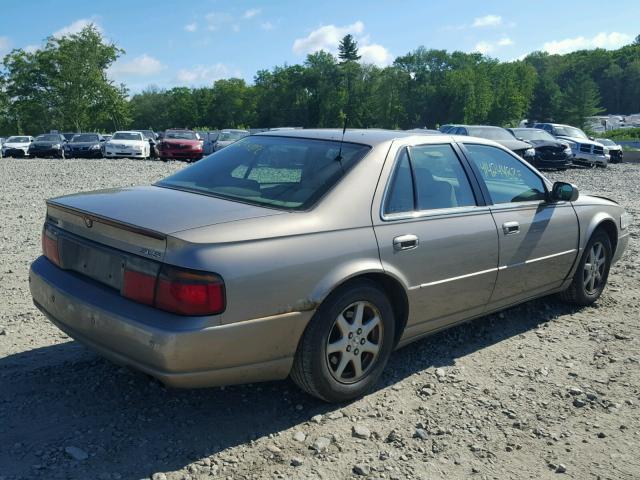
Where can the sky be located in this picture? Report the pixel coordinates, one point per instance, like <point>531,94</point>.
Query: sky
<point>195,42</point>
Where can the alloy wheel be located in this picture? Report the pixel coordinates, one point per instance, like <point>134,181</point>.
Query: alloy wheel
<point>354,342</point>
<point>594,267</point>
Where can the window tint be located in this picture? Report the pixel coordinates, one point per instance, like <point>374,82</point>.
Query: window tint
<point>440,179</point>
<point>284,172</point>
<point>400,196</point>
<point>507,179</point>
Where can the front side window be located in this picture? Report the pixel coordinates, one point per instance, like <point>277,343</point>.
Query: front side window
<point>507,179</point>
<point>281,172</point>
<point>428,177</point>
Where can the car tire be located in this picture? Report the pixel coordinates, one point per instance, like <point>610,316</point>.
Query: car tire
<point>589,280</point>
<point>164,159</point>
<point>356,322</point>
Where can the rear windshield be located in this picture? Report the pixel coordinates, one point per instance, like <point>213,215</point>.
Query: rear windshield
<point>84,138</point>
<point>280,172</point>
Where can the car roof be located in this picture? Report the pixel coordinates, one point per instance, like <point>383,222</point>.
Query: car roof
<point>127,131</point>
<point>371,136</point>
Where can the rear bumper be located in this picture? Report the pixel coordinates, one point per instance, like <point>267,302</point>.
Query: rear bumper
<point>159,343</point>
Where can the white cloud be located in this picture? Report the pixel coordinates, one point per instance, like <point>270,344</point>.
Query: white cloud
<point>206,74</point>
<point>483,47</point>
<point>5,45</point>
<point>252,12</point>
<point>76,27</point>
<point>217,20</point>
<point>191,27</point>
<point>267,26</point>
<point>141,66</point>
<point>601,40</point>
<point>487,21</point>
<point>375,54</point>
<point>31,48</point>
<point>327,37</point>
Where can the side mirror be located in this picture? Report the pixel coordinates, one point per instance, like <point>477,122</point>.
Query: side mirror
<point>563,191</point>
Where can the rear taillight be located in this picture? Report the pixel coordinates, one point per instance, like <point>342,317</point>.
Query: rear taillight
<point>139,286</point>
<point>50,246</point>
<point>187,292</point>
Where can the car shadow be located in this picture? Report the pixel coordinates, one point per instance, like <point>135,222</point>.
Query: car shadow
<point>64,395</point>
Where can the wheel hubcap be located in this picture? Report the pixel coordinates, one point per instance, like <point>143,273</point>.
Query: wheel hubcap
<point>593,272</point>
<point>354,342</point>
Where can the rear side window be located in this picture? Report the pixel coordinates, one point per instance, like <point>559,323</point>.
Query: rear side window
<point>507,179</point>
<point>428,177</point>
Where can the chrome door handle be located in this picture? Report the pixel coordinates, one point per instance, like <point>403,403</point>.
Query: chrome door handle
<point>510,228</point>
<point>405,242</point>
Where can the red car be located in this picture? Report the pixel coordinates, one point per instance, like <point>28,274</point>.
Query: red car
<point>180,145</point>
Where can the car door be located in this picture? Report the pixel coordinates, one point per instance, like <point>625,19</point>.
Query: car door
<point>435,233</point>
<point>538,239</point>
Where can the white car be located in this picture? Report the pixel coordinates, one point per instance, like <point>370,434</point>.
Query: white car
<point>127,144</point>
<point>17,146</point>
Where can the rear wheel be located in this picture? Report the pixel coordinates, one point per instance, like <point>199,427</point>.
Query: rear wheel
<point>592,272</point>
<point>347,343</point>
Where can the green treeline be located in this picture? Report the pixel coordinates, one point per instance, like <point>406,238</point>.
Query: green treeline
<point>65,86</point>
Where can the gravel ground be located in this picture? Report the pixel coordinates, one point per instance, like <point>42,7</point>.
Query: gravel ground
<point>542,390</point>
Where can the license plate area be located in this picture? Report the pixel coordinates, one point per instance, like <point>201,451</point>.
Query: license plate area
<point>100,264</point>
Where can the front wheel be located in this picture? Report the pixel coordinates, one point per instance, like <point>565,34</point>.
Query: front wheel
<point>592,272</point>
<point>347,343</point>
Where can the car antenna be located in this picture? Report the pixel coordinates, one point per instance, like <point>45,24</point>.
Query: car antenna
<point>339,156</point>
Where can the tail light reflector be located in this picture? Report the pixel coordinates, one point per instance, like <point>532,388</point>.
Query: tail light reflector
<point>50,246</point>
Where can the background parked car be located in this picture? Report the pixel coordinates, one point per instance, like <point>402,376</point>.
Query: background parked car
<point>584,149</point>
<point>180,145</point>
<point>48,145</point>
<point>84,145</point>
<point>208,141</point>
<point>549,151</point>
<point>69,135</point>
<point>448,127</point>
<point>152,138</point>
<point>615,150</point>
<point>17,146</point>
<point>497,134</point>
<point>227,137</point>
<point>127,143</point>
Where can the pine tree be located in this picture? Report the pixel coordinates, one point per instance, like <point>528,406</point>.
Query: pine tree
<point>348,49</point>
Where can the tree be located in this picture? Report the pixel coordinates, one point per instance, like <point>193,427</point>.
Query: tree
<point>348,49</point>
<point>65,86</point>
<point>580,100</point>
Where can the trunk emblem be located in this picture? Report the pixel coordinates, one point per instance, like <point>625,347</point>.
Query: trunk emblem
<point>88,222</point>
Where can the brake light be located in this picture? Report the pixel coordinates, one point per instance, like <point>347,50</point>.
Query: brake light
<point>139,286</point>
<point>189,293</point>
<point>50,246</point>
